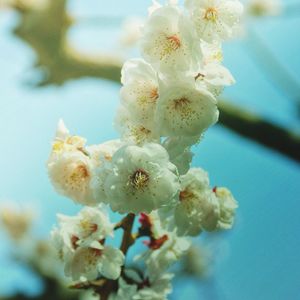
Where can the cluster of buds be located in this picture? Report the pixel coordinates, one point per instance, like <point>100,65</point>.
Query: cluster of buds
<point>168,101</point>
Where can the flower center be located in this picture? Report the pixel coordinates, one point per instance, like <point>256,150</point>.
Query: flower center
<point>87,227</point>
<point>211,14</point>
<point>169,44</point>
<point>140,134</point>
<point>186,195</point>
<point>154,94</point>
<point>181,103</point>
<point>91,257</point>
<point>80,174</point>
<point>139,179</point>
<point>174,42</point>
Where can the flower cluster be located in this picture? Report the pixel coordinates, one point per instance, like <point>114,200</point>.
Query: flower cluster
<point>168,101</point>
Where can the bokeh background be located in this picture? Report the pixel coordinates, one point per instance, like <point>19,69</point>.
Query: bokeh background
<point>259,259</point>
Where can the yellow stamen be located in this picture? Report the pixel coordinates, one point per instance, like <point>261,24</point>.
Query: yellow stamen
<point>139,179</point>
<point>181,103</point>
<point>211,14</point>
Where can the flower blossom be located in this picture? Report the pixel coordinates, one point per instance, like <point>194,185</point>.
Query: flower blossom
<point>198,208</point>
<point>228,206</point>
<point>142,180</point>
<point>70,167</point>
<point>168,40</point>
<point>213,77</point>
<point>102,158</point>
<point>80,242</point>
<point>156,288</point>
<point>215,20</point>
<point>183,110</point>
<point>168,101</point>
<point>164,247</point>
<point>139,95</point>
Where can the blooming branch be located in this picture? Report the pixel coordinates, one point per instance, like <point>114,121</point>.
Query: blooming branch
<point>62,63</point>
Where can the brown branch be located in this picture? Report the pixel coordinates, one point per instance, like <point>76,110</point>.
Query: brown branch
<point>128,238</point>
<point>46,32</point>
<point>259,130</point>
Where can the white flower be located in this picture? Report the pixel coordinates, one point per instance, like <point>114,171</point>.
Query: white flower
<point>228,206</point>
<point>102,156</point>
<point>264,7</point>
<point>147,288</point>
<point>88,262</point>
<point>143,179</point>
<point>64,245</point>
<point>164,252</point>
<point>133,131</point>
<point>77,171</point>
<point>71,174</point>
<point>183,110</point>
<point>165,247</point>
<point>80,242</point>
<point>198,208</point>
<point>212,53</point>
<point>213,77</point>
<point>139,94</point>
<point>88,228</point>
<point>156,288</point>
<point>70,167</point>
<point>104,152</point>
<point>215,20</point>
<point>131,31</point>
<point>65,142</point>
<point>168,41</point>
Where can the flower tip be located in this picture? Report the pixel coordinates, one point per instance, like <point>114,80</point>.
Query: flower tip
<point>61,130</point>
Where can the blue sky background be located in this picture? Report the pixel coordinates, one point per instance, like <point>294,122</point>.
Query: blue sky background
<point>259,259</point>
